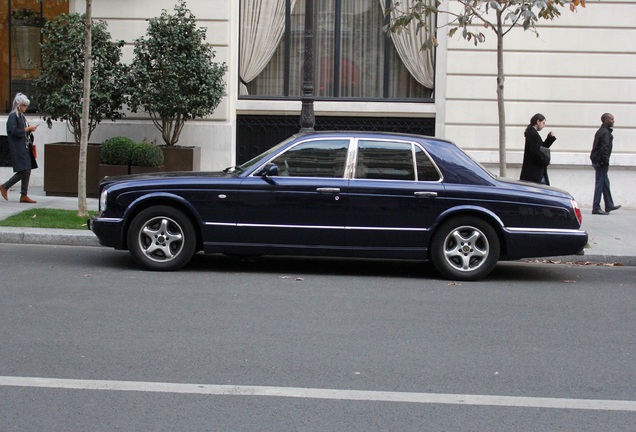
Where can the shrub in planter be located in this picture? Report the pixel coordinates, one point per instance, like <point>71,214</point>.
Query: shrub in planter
<point>60,85</point>
<point>146,154</point>
<point>173,76</point>
<point>117,151</point>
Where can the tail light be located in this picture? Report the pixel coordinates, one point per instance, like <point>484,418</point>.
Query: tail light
<point>577,212</point>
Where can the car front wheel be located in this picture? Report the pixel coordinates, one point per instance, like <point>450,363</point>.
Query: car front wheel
<point>162,238</point>
<point>465,248</point>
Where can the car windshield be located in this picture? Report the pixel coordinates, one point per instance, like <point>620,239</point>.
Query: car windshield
<point>263,156</point>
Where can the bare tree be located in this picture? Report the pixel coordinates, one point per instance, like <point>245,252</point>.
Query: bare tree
<point>82,208</point>
<point>470,17</point>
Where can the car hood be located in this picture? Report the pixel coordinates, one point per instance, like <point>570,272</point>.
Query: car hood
<point>168,176</point>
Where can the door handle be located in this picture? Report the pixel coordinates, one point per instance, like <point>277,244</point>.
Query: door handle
<point>328,190</point>
<point>425,194</point>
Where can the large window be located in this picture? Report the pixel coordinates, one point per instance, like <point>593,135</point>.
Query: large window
<point>21,22</point>
<point>353,58</point>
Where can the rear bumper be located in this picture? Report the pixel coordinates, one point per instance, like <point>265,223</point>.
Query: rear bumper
<point>534,243</point>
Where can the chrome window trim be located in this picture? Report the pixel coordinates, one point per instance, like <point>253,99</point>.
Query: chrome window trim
<point>401,141</point>
<point>303,141</point>
<point>352,155</point>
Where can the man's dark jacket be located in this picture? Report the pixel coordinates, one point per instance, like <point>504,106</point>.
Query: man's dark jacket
<point>602,147</point>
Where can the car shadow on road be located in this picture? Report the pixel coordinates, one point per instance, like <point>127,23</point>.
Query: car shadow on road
<point>313,265</point>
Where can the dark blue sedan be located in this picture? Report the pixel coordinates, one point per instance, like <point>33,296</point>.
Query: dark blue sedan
<point>348,194</point>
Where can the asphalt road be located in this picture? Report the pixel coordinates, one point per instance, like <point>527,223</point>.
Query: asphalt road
<point>90,342</point>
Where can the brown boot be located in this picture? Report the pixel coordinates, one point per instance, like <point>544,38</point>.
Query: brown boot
<point>3,192</point>
<point>26,199</point>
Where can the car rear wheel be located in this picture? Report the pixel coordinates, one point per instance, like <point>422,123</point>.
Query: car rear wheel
<point>162,238</point>
<point>465,248</point>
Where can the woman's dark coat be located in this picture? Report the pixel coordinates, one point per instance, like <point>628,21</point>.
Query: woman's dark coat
<point>535,163</point>
<point>21,157</point>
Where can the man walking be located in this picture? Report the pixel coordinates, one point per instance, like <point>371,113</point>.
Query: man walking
<point>600,156</point>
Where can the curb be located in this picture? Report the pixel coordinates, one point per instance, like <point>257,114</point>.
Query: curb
<point>615,260</point>
<point>62,237</point>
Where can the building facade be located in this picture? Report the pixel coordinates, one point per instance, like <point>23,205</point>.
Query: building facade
<point>581,65</point>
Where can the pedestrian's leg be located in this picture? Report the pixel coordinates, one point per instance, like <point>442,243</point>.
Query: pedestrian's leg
<point>4,190</point>
<point>598,187</point>
<point>24,198</point>
<point>13,180</point>
<point>607,193</point>
<point>24,186</point>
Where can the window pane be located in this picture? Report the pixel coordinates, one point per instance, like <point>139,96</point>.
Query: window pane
<point>362,49</point>
<point>385,161</point>
<point>20,60</point>
<point>348,64</point>
<point>314,159</point>
<point>426,171</point>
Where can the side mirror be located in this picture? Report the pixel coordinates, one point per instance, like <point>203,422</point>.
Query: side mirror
<point>269,170</point>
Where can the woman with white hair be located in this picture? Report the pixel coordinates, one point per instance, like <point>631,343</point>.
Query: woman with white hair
<point>20,136</point>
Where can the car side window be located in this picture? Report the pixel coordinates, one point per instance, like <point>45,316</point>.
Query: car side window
<point>383,160</point>
<point>321,158</point>
<point>426,170</point>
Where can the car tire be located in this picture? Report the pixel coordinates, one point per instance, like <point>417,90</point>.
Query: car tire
<point>465,248</point>
<point>162,238</point>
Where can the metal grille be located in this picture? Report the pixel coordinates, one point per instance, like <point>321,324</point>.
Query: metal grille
<point>256,133</point>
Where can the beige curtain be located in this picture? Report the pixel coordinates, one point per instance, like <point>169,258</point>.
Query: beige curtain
<point>408,44</point>
<point>262,26</point>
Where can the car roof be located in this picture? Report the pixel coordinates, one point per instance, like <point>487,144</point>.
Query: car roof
<point>368,134</point>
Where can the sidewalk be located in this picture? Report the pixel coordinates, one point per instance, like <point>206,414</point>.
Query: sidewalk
<point>609,238</point>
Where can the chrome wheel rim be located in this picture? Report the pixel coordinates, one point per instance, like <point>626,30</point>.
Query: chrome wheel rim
<point>466,248</point>
<point>161,239</point>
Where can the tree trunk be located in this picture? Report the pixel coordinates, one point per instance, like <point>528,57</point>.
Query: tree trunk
<point>500,95</point>
<point>81,174</point>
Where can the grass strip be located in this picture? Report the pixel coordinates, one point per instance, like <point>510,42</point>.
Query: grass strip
<point>46,218</point>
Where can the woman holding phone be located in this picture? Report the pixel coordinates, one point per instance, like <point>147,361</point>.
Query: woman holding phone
<point>20,137</point>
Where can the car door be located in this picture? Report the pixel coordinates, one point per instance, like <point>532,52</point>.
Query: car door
<point>302,206</point>
<point>394,196</point>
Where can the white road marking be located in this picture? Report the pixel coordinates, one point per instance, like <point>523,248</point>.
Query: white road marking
<point>314,393</point>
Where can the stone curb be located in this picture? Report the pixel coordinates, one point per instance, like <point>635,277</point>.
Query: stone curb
<point>60,237</point>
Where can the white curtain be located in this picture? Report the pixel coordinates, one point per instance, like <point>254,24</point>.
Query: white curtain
<point>262,26</point>
<point>408,43</point>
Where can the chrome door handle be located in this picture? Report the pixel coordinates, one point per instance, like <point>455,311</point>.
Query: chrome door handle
<point>426,194</point>
<point>328,190</point>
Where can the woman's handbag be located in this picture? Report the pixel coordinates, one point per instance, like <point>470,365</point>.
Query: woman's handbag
<point>544,153</point>
<point>34,149</point>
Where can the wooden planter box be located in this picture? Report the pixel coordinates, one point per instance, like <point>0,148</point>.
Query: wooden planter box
<point>178,158</point>
<point>61,164</point>
<point>106,170</point>
<point>134,169</point>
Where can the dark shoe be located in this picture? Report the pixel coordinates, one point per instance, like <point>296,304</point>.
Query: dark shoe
<point>609,209</point>
<point>27,200</point>
<point>599,212</point>
<point>3,192</point>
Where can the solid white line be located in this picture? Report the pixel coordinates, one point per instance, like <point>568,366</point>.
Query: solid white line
<point>312,393</point>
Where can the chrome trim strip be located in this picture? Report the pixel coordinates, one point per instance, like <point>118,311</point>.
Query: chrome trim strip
<point>337,227</point>
<point>544,230</point>
<point>103,219</point>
